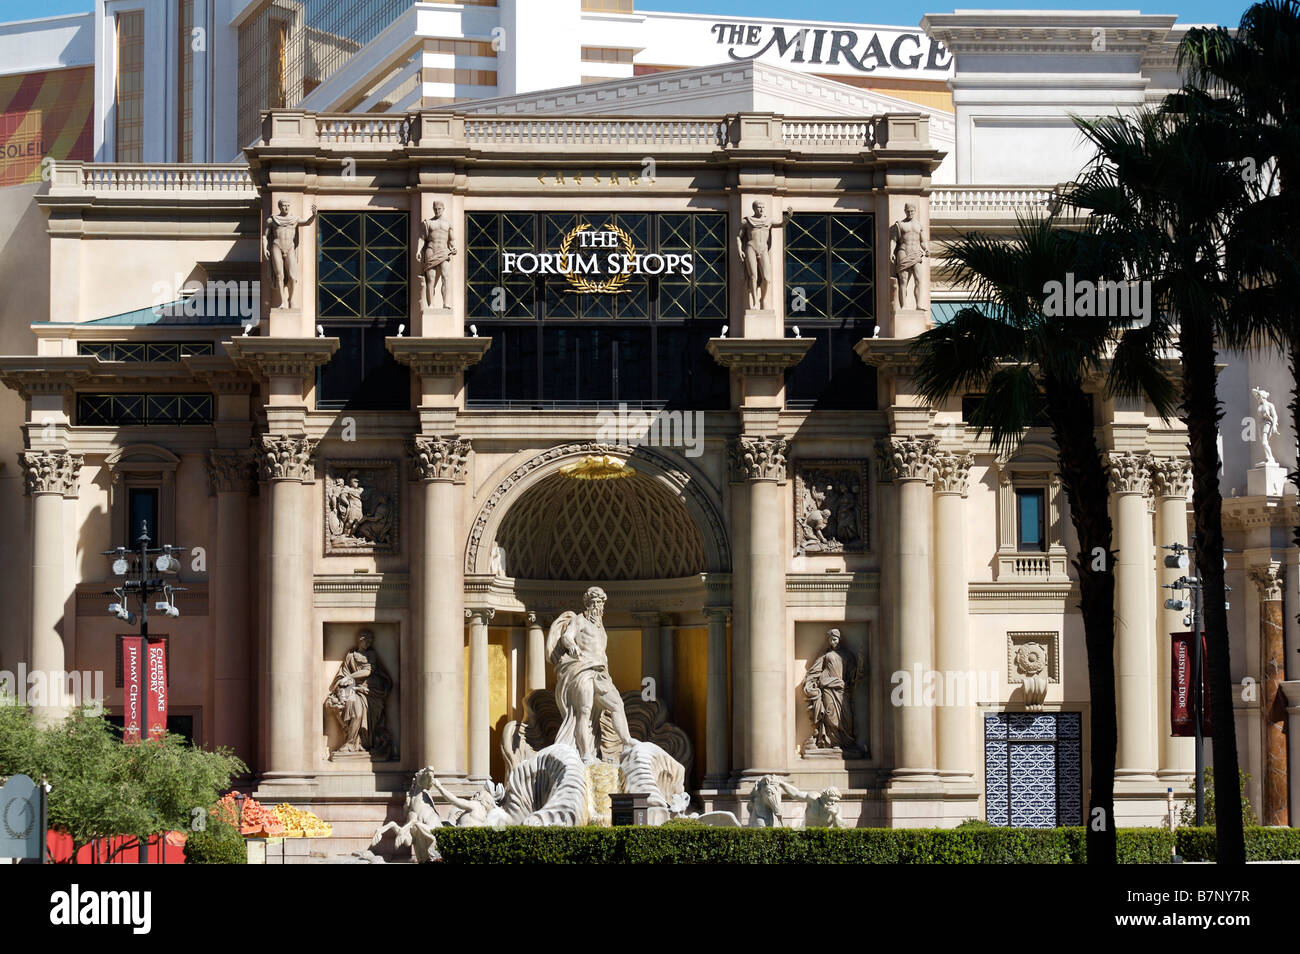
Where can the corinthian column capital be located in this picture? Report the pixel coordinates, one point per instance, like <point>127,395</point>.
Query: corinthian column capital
<point>759,458</point>
<point>952,472</point>
<point>287,458</point>
<point>1130,473</point>
<point>230,471</point>
<point>1268,579</point>
<point>437,458</point>
<point>907,458</point>
<point>51,472</point>
<point>1171,476</point>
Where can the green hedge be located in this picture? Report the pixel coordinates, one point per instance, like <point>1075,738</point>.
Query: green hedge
<point>1262,844</point>
<point>704,845</point>
<point>219,844</point>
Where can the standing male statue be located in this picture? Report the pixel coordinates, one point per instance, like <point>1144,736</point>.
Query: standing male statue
<point>755,242</point>
<point>1268,423</point>
<point>908,250</point>
<point>828,687</point>
<point>435,256</point>
<point>280,245</point>
<point>576,645</point>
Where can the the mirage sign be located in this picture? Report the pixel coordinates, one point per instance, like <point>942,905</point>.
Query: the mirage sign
<point>866,52</point>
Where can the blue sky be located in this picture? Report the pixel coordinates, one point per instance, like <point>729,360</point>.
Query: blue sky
<point>899,12</point>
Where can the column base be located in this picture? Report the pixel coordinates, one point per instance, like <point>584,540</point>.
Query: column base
<point>275,787</point>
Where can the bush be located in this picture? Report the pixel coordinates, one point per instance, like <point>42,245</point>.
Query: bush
<point>698,844</point>
<point>218,844</point>
<point>1262,844</point>
<point>1187,814</point>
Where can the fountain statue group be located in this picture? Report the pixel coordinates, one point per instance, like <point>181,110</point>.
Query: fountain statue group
<point>559,760</point>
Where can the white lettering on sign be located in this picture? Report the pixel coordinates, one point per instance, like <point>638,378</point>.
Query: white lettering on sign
<point>597,263</point>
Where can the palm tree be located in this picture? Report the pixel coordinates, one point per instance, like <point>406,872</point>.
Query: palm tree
<point>1029,366</point>
<point>1163,194</point>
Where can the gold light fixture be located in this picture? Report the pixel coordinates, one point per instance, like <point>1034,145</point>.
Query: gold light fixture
<point>597,467</point>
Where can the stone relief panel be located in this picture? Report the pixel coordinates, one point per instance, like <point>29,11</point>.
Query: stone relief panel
<point>830,506</point>
<point>1034,662</point>
<point>361,507</point>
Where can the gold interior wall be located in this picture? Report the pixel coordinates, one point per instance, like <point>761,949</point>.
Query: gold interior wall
<point>690,692</point>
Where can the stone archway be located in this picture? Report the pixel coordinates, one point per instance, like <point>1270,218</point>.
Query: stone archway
<point>666,481</point>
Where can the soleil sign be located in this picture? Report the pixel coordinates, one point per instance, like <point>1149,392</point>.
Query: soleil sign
<point>597,262</point>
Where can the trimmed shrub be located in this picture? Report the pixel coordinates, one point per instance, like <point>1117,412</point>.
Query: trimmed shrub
<point>1262,844</point>
<point>698,844</point>
<point>218,844</point>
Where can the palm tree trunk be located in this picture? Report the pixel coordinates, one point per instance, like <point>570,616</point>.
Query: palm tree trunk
<point>1085,480</point>
<point>1201,412</point>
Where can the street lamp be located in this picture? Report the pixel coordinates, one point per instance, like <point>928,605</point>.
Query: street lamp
<point>142,579</point>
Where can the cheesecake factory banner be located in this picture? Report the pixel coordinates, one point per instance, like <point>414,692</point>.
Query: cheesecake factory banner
<point>657,266</point>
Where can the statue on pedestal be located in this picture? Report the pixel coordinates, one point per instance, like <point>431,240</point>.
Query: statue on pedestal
<point>908,251</point>
<point>358,694</point>
<point>435,256</point>
<point>576,646</point>
<point>755,243</point>
<point>280,245</point>
<point>828,687</point>
<point>1268,424</point>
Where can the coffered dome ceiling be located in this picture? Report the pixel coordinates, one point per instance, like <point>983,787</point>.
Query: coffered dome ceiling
<point>628,528</point>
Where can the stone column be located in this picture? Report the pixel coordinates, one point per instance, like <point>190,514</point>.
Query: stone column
<point>717,764</point>
<point>1171,478</point>
<point>1274,787</point>
<point>535,651</point>
<point>911,465</point>
<point>651,650</point>
<point>439,464</point>
<point>762,462</point>
<point>230,474</point>
<point>952,638</point>
<point>285,465</point>
<point>51,475</point>
<point>1135,676</point>
<point>480,708</point>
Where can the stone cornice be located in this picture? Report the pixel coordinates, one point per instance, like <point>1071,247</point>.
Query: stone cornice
<point>438,356</point>
<point>51,471</point>
<point>887,354</point>
<point>219,373</point>
<point>287,458</point>
<point>1048,32</point>
<point>758,458</point>
<point>281,357</point>
<point>439,459</point>
<point>46,374</point>
<point>759,356</point>
<point>1251,513</point>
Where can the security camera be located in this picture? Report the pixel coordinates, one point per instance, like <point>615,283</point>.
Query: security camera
<point>167,609</point>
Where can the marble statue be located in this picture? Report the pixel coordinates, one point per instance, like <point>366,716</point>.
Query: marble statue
<point>422,820</point>
<point>280,245</point>
<point>1268,424</point>
<point>828,687</point>
<point>357,515</point>
<point>822,808</point>
<point>435,257</point>
<point>481,810</point>
<point>765,803</point>
<point>755,243</point>
<point>357,697</point>
<point>576,645</point>
<point>908,251</point>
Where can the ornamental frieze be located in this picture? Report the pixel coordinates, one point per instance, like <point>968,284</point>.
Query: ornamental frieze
<point>287,458</point>
<point>1130,473</point>
<point>434,458</point>
<point>758,458</point>
<point>51,472</point>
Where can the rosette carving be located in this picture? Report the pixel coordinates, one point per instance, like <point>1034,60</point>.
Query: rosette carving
<point>436,458</point>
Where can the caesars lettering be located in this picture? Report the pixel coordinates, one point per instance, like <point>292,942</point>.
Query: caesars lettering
<point>808,45</point>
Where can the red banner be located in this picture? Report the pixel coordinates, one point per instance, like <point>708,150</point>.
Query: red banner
<point>1181,678</point>
<point>132,688</point>
<point>156,697</point>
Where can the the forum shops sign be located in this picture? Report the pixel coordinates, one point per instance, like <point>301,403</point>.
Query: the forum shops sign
<point>597,261</point>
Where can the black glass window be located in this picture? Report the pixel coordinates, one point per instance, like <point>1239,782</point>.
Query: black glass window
<point>142,513</point>
<point>556,345</point>
<point>362,298</point>
<point>122,410</point>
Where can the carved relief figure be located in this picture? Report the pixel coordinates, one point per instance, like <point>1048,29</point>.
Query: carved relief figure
<point>361,509</point>
<point>280,246</point>
<point>828,687</point>
<point>576,646</point>
<point>755,243</point>
<point>358,694</point>
<point>1267,414</point>
<point>436,254</point>
<point>908,251</point>
<point>830,508</point>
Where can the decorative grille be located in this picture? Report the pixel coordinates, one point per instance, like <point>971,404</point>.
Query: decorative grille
<point>1033,774</point>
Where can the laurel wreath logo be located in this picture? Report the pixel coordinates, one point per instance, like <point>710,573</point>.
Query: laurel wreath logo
<point>585,286</point>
